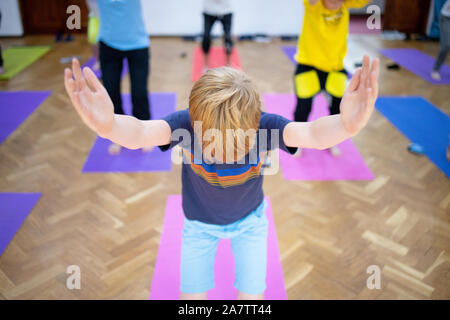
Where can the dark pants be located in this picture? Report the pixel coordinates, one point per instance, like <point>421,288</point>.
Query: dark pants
<point>111,63</point>
<point>444,26</point>
<point>226,23</point>
<point>304,105</point>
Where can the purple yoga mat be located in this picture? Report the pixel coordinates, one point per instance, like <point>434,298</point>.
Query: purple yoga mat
<point>317,164</point>
<point>15,107</point>
<point>166,276</point>
<point>419,63</point>
<point>14,209</point>
<point>90,63</point>
<point>99,160</point>
<point>290,51</point>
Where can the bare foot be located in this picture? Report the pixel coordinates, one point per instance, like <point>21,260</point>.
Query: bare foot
<point>147,149</point>
<point>114,149</point>
<point>436,76</point>
<point>335,151</point>
<point>298,153</point>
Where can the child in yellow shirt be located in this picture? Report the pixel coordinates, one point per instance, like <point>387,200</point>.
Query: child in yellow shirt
<point>321,49</point>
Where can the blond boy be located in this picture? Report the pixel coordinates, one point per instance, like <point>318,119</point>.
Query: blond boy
<point>221,179</point>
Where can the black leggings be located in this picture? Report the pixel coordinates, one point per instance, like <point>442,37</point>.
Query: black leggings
<point>111,63</point>
<point>226,23</point>
<point>304,105</point>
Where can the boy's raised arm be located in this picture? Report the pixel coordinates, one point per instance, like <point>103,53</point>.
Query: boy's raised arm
<point>93,104</point>
<point>356,107</point>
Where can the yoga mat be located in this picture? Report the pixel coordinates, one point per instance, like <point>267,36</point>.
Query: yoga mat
<point>99,160</point>
<point>217,58</point>
<point>166,276</point>
<point>422,123</point>
<point>15,59</point>
<point>290,52</point>
<point>14,209</point>
<point>15,107</point>
<point>90,63</point>
<point>419,63</point>
<point>317,164</point>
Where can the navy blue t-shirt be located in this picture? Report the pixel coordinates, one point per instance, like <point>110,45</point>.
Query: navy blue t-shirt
<point>223,193</point>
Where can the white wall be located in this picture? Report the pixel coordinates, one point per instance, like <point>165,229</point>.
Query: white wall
<point>184,17</point>
<point>11,24</point>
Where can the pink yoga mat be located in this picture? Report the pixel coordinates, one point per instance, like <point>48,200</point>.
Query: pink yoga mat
<point>166,276</point>
<point>217,58</point>
<point>317,164</point>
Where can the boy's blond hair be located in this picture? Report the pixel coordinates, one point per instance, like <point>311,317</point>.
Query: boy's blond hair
<point>224,99</point>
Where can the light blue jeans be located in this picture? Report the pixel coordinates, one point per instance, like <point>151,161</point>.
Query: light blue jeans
<point>249,244</point>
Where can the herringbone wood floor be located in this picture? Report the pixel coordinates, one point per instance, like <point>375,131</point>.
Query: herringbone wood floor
<point>328,232</point>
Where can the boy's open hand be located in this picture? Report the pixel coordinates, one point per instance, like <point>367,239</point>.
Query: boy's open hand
<point>89,98</point>
<point>359,99</point>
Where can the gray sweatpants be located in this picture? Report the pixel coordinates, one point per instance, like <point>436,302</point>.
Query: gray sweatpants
<point>444,26</point>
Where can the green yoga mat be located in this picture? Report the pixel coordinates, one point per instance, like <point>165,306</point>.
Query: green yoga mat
<point>15,59</point>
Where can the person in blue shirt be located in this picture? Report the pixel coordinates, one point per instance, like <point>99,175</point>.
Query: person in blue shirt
<point>122,35</point>
<point>223,135</point>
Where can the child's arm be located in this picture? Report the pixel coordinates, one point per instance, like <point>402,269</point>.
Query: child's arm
<point>96,109</point>
<point>356,108</point>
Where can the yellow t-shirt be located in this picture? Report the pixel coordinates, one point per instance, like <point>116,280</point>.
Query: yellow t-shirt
<point>323,40</point>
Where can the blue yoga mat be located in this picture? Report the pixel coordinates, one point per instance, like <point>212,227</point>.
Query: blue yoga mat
<point>422,123</point>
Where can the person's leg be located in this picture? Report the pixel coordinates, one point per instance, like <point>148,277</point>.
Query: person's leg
<point>335,86</point>
<point>139,66</point>
<point>206,42</point>
<point>111,61</point>
<point>250,255</point>
<point>444,25</point>
<point>307,85</point>
<point>198,252</point>
<point>335,109</point>
<point>226,23</point>
<point>303,109</point>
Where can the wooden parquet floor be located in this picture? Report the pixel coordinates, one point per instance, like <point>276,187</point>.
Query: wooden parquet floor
<point>328,232</point>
